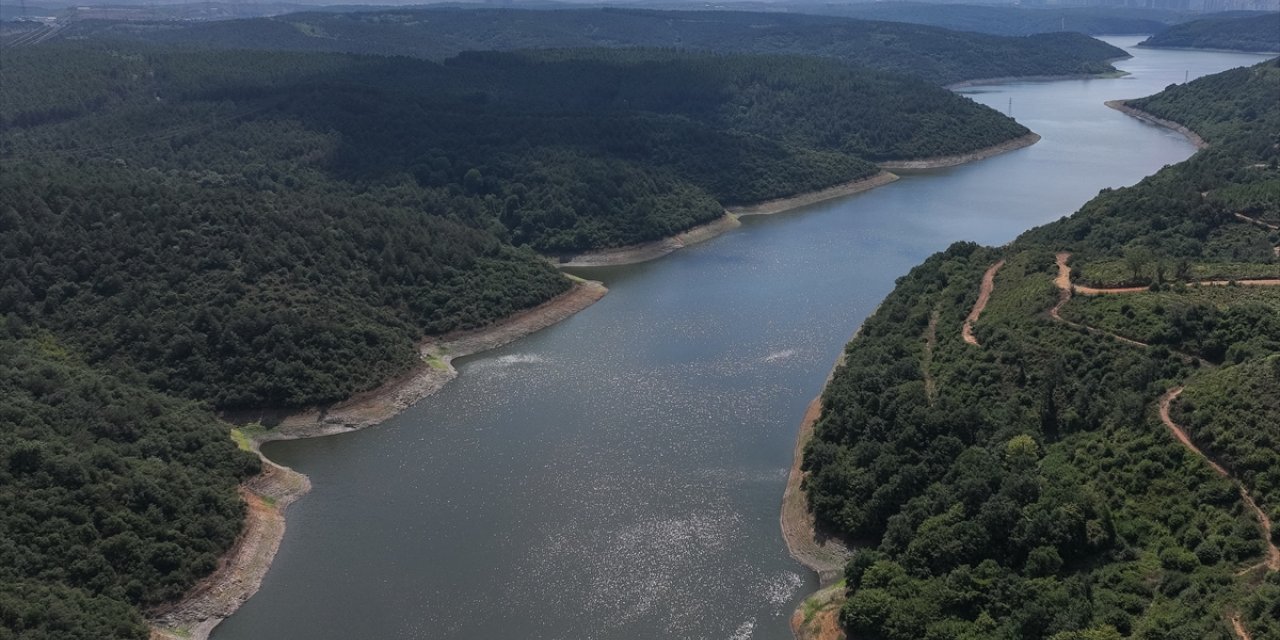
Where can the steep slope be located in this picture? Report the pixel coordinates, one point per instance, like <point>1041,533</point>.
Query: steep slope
<point>115,498</point>
<point>1039,493</point>
<point>278,229</point>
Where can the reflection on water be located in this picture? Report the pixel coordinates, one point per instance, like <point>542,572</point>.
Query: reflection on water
<point>618,476</point>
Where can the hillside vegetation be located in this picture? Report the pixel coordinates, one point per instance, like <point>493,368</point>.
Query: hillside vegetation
<point>1238,33</point>
<point>278,229</point>
<point>1038,493</point>
<point>112,497</point>
<point>185,231</point>
<point>933,54</point>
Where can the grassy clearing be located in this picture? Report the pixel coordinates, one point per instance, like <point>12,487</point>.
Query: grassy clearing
<point>245,436</point>
<point>436,362</point>
<point>1023,287</point>
<point>822,600</point>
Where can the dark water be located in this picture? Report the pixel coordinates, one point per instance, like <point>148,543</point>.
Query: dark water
<point>619,475</point>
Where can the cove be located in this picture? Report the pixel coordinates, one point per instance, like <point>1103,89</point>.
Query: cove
<point>618,475</point>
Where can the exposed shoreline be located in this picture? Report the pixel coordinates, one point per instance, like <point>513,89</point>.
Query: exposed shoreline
<point>779,205</point>
<point>823,554</point>
<point>655,249</point>
<point>816,617</point>
<point>963,158</point>
<point>1205,49</point>
<point>977,82</point>
<point>241,570</point>
<point>1123,107</point>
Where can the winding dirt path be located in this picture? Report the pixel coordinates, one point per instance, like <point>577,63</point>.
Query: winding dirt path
<point>1272,558</point>
<point>1260,223</point>
<point>1065,289</point>
<point>1264,225</point>
<point>984,296</point>
<point>1238,627</point>
<point>1272,561</point>
<point>1063,281</point>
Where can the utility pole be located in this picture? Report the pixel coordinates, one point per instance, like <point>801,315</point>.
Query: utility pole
<point>1186,76</point>
<point>1009,112</point>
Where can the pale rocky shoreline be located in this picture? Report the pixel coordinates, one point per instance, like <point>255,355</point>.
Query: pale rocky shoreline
<point>963,158</point>
<point>652,250</point>
<point>1121,106</point>
<point>241,571</point>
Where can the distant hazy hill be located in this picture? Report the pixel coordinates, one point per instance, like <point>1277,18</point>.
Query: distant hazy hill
<point>934,54</point>
<point>997,20</point>
<point>1240,33</point>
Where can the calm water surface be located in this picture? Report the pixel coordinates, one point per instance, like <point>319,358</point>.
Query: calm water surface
<point>618,476</point>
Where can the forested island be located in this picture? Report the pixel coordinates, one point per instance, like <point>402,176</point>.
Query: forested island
<point>188,234</point>
<point>1074,437</point>
<point>933,54</point>
<point>1229,32</point>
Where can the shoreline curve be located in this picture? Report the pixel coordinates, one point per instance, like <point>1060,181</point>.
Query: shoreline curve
<point>1123,107</point>
<point>963,158</point>
<point>652,250</point>
<point>780,205</point>
<point>241,570</point>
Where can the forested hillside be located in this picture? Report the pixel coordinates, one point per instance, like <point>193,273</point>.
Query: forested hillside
<point>936,55</point>
<point>184,231</point>
<point>112,497</point>
<point>1030,482</point>
<point>278,229</point>
<point>1239,33</point>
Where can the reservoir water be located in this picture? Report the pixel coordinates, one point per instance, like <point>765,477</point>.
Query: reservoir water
<point>619,475</point>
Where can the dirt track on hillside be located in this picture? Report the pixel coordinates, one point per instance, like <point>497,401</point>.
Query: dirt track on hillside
<point>984,296</point>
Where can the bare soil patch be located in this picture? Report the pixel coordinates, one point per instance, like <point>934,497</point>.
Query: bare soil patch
<point>984,296</point>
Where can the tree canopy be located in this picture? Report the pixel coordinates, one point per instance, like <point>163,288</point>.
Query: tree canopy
<point>1036,493</point>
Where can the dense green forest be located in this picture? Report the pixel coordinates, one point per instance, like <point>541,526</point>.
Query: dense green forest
<point>1239,33</point>
<point>112,497</point>
<point>256,228</point>
<point>183,232</point>
<point>1026,487</point>
<point>933,54</point>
